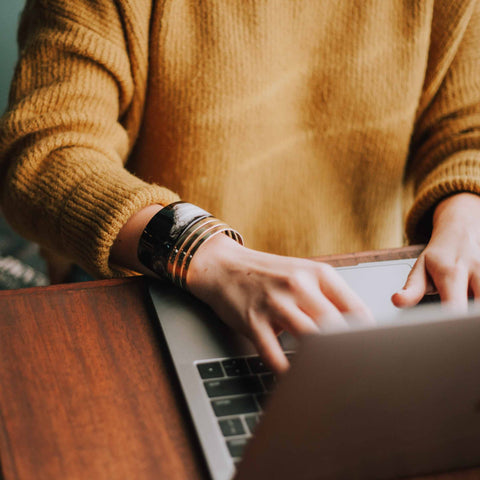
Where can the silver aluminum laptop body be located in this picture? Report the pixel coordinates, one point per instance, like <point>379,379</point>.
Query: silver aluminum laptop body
<point>193,333</point>
<point>381,403</point>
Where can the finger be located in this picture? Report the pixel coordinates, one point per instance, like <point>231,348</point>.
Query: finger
<point>295,321</point>
<point>322,312</point>
<point>452,286</point>
<point>323,318</point>
<point>332,324</point>
<point>415,287</point>
<point>340,294</point>
<point>269,349</point>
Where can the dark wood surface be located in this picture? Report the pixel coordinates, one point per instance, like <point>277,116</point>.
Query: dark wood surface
<point>87,389</point>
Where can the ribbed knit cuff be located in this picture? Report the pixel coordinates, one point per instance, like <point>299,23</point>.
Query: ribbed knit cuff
<point>459,173</point>
<point>98,209</point>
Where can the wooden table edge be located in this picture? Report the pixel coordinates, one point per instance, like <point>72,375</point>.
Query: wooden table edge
<point>337,260</point>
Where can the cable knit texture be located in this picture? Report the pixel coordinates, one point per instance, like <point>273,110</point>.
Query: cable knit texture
<point>311,127</point>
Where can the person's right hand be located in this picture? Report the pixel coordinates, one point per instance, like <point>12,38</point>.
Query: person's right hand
<point>260,294</point>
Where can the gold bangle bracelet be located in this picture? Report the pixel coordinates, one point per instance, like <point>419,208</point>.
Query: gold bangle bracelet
<point>182,274</point>
<point>178,251</point>
<point>192,235</point>
<point>173,235</point>
<point>189,242</point>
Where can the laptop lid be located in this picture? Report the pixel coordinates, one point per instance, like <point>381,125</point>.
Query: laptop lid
<point>389,402</point>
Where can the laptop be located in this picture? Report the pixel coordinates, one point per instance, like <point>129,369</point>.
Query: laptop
<point>228,389</point>
<point>391,402</point>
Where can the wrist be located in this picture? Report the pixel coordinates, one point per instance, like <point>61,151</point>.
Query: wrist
<point>173,236</point>
<point>456,207</point>
<point>213,262</point>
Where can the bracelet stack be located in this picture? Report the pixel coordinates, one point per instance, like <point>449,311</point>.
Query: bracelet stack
<point>172,237</point>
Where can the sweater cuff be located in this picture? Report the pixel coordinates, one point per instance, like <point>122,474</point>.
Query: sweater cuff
<point>459,173</point>
<point>98,209</point>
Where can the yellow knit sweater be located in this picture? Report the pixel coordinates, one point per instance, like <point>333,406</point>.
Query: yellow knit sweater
<point>310,126</point>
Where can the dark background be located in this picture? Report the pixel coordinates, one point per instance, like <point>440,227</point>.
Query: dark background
<point>20,262</point>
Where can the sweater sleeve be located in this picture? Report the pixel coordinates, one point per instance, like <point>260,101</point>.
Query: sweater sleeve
<point>445,146</point>
<point>75,107</point>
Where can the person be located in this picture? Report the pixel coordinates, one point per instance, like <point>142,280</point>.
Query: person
<point>311,127</point>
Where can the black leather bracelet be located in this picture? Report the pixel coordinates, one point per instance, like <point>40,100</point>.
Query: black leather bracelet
<point>162,233</point>
<point>171,238</point>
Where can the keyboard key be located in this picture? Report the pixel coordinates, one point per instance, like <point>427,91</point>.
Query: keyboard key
<point>235,367</point>
<point>252,421</point>
<point>233,386</point>
<point>269,381</point>
<point>236,446</point>
<point>234,406</point>
<point>256,365</point>
<point>210,370</point>
<point>231,426</point>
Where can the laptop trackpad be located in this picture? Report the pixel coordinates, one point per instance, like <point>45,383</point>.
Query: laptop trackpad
<point>375,284</point>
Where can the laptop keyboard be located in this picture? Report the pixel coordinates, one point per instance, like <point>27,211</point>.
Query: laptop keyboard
<point>238,389</point>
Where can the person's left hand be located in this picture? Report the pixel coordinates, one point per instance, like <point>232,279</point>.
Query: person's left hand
<point>450,263</point>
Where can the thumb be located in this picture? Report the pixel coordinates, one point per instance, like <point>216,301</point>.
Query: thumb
<point>415,287</point>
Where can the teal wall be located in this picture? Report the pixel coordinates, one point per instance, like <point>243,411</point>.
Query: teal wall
<point>9,15</point>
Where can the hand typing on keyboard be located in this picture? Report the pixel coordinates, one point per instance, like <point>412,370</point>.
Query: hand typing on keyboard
<point>449,265</point>
<point>261,294</point>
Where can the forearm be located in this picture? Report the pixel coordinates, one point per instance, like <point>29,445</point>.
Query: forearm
<point>125,246</point>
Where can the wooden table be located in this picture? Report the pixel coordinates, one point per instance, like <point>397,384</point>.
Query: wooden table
<point>87,389</point>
